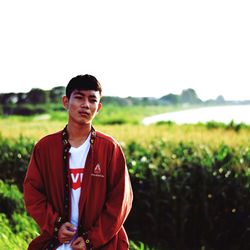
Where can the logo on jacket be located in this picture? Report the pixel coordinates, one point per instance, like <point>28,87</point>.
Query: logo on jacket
<point>97,171</point>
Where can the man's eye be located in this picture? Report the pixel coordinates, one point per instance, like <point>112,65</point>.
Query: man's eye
<point>78,97</point>
<point>93,100</point>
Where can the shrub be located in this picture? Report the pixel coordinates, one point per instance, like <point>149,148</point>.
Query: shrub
<point>16,237</point>
<point>189,196</point>
<point>16,227</point>
<point>186,195</point>
<point>15,155</point>
<point>10,199</point>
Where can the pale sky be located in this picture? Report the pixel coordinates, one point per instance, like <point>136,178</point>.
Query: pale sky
<point>133,47</point>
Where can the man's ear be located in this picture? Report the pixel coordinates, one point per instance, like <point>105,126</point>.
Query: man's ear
<point>65,102</point>
<point>99,106</point>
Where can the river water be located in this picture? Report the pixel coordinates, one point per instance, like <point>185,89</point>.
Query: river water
<point>225,114</point>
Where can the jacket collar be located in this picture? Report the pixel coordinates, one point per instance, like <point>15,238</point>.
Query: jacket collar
<point>65,138</point>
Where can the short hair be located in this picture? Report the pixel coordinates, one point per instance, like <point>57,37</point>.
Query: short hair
<point>83,82</point>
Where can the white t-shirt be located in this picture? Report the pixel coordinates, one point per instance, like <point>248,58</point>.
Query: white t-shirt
<point>77,161</point>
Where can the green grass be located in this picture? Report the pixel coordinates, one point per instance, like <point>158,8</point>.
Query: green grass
<point>35,128</point>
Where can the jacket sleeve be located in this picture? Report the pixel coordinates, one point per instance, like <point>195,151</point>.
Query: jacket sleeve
<point>118,202</point>
<point>35,197</point>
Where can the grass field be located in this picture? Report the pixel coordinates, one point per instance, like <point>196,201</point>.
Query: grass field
<point>37,127</point>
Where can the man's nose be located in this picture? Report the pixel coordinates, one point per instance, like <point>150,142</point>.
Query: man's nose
<point>85,104</point>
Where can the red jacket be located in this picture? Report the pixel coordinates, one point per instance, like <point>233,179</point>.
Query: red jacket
<point>106,193</point>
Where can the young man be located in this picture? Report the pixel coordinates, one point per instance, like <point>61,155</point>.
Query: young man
<point>77,186</point>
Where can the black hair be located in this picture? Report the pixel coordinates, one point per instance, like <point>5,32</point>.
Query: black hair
<point>83,82</point>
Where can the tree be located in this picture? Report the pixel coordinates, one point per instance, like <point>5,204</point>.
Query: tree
<point>170,99</point>
<point>8,98</point>
<point>56,94</point>
<point>36,96</point>
<point>189,96</point>
<point>21,98</point>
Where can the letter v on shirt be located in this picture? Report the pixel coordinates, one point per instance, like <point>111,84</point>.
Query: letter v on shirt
<point>76,169</point>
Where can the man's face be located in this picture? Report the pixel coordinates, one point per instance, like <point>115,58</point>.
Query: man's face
<point>82,106</point>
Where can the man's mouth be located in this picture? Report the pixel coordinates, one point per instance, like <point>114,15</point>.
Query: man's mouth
<point>84,113</point>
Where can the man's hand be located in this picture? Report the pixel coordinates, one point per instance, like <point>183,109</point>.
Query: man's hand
<point>78,244</point>
<point>66,233</point>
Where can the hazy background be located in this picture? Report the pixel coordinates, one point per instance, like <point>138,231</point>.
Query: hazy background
<point>134,48</point>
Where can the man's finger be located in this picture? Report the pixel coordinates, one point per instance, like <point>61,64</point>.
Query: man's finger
<point>77,240</point>
<point>70,227</point>
<point>68,233</point>
<point>78,243</point>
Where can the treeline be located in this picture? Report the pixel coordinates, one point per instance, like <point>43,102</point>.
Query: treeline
<point>35,101</point>
<point>34,96</point>
<point>39,96</point>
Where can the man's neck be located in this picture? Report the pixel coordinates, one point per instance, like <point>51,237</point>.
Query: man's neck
<point>78,134</point>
